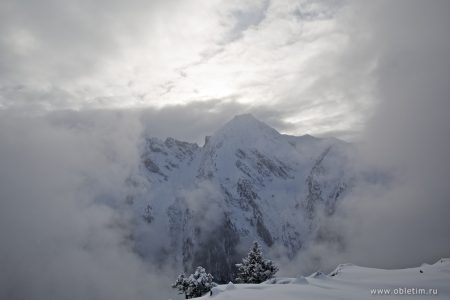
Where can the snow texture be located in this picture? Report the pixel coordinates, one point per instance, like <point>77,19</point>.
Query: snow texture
<point>350,282</point>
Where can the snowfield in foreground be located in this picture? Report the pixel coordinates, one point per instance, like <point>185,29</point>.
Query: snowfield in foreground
<point>349,282</point>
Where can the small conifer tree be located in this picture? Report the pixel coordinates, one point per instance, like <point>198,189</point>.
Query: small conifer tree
<point>196,285</point>
<point>254,268</point>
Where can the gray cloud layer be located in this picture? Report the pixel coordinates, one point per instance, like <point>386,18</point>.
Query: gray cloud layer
<point>281,55</point>
<point>405,222</point>
<point>411,131</point>
<point>58,241</point>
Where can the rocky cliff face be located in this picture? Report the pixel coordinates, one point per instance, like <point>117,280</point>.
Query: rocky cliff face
<point>204,205</point>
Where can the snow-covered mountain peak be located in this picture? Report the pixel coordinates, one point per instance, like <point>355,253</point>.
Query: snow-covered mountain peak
<point>244,120</point>
<point>245,128</point>
<point>248,182</point>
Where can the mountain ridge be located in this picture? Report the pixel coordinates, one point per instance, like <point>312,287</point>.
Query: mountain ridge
<point>247,182</point>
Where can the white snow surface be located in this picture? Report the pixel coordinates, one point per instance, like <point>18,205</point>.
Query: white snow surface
<point>348,282</point>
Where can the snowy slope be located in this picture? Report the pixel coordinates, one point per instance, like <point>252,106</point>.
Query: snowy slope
<point>205,205</point>
<point>348,282</point>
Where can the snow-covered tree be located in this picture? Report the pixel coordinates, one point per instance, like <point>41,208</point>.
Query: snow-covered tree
<point>254,268</point>
<point>196,285</point>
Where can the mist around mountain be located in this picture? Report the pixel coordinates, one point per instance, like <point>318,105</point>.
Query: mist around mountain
<point>204,205</point>
<point>96,203</point>
<point>81,197</point>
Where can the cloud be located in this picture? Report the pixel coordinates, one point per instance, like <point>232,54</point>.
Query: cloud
<point>282,55</point>
<point>59,238</point>
<point>205,205</point>
<point>400,222</point>
<point>109,72</point>
<point>411,133</point>
<point>49,40</point>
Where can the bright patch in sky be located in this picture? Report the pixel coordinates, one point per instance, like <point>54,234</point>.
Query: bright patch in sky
<point>289,57</point>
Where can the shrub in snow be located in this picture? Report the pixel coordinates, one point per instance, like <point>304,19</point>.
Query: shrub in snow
<point>254,268</point>
<point>196,285</point>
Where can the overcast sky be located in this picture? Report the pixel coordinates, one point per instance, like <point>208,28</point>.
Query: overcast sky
<point>294,59</point>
